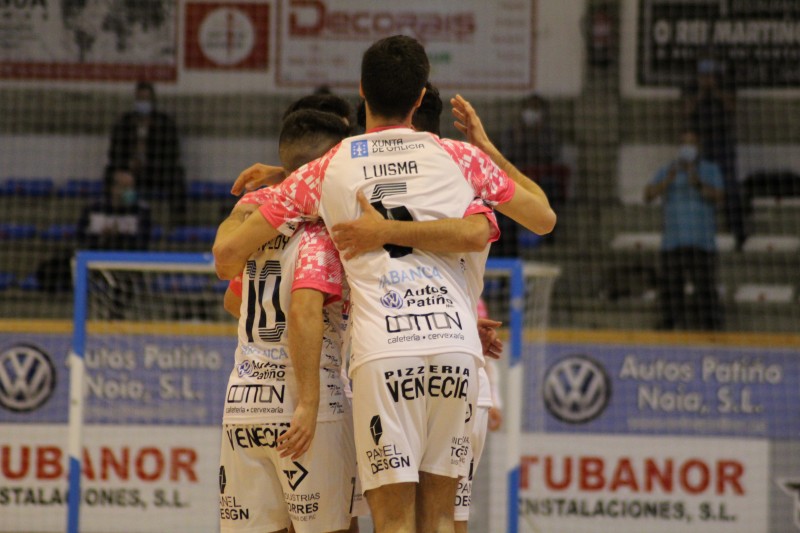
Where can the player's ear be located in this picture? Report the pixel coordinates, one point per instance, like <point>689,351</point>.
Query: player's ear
<point>360,90</point>
<point>421,96</point>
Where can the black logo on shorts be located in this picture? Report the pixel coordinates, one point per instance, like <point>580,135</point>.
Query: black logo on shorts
<point>576,389</point>
<point>375,428</point>
<point>27,378</point>
<point>297,476</point>
<point>223,480</point>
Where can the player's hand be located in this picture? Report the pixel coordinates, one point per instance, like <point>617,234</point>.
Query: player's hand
<point>361,235</point>
<point>487,331</point>
<point>468,122</point>
<point>297,439</point>
<point>256,176</point>
<point>495,419</point>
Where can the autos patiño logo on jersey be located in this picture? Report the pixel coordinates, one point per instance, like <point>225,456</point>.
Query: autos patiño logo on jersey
<point>577,389</point>
<point>27,378</point>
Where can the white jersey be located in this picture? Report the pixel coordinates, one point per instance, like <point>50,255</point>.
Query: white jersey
<point>262,385</point>
<point>405,302</point>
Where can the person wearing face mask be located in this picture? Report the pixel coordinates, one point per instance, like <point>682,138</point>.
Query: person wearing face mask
<point>144,142</point>
<point>530,144</point>
<point>691,188</point>
<point>120,221</point>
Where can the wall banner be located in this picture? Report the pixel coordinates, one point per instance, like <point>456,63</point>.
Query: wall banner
<point>114,41</point>
<point>470,43</point>
<point>756,42</point>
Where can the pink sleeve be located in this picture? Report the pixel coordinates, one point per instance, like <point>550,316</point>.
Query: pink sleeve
<point>296,199</point>
<point>489,181</point>
<point>318,266</point>
<point>478,206</point>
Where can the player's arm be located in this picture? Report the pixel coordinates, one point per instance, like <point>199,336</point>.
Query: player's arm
<point>529,205</point>
<point>371,231</point>
<point>238,236</point>
<point>257,175</point>
<point>232,301</point>
<point>305,327</point>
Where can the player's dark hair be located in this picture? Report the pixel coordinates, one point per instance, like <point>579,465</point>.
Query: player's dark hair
<point>393,72</point>
<point>307,134</point>
<point>428,114</point>
<point>329,103</point>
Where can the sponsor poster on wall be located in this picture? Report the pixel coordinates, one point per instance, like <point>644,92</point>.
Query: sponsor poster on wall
<point>470,43</point>
<point>755,42</point>
<point>151,442</point>
<point>228,36</point>
<point>662,438</point>
<point>89,40</point>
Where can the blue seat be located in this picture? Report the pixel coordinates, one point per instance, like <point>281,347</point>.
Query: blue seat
<point>59,232</point>
<point>527,239</point>
<point>193,234</point>
<point>10,231</point>
<point>209,190</point>
<point>81,188</point>
<point>156,232</point>
<point>30,283</point>
<point>180,283</point>
<point>33,187</point>
<point>7,280</point>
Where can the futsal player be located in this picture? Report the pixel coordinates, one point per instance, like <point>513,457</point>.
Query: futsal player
<point>435,335</point>
<point>283,385</point>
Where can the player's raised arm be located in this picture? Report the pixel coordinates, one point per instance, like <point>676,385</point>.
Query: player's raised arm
<point>529,205</point>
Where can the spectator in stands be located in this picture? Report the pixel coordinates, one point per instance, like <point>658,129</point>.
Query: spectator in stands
<point>145,143</point>
<point>120,221</point>
<point>533,146</point>
<point>691,188</point>
<point>710,107</point>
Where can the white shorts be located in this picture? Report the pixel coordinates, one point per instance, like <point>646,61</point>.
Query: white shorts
<point>413,414</point>
<point>261,491</point>
<point>464,492</point>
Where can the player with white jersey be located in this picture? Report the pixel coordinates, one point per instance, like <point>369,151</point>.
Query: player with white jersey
<point>414,338</point>
<point>370,232</point>
<point>264,484</point>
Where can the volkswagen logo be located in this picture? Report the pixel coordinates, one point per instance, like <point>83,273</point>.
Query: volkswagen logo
<point>245,368</point>
<point>576,389</point>
<point>392,300</point>
<point>27,378</point>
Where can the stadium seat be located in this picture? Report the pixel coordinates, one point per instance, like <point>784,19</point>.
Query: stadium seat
<point>81,188</point>
<point>10,231</point>
<point>59,232</point>
<point>180,283</point>
<point>528,239</point>
<point>641,240</point>
<point>38,187</point>
<point>193,234</point>
<point>209,190</point>
<point>30,283</point>
<point>764,293</point>
<point>771,243</point>
<point>7,280</point>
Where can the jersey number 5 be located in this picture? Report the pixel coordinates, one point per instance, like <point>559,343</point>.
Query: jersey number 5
<point>394,213</point>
